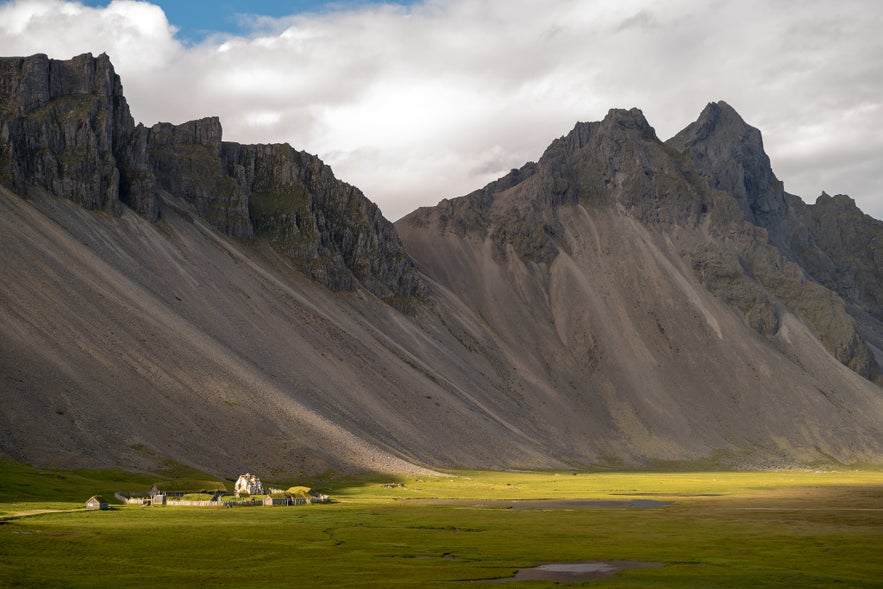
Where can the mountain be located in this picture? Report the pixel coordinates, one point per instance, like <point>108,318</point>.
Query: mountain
<point>729,153</point>
<point>68,131</point>
<point>623,301</point>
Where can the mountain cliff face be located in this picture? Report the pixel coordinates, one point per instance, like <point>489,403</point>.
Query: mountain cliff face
<point>729,153</point>
<point>620,302</point>
<point>186,162</point>
<point>842,248</point>
<point>65,127</point>
<point>337,236</point>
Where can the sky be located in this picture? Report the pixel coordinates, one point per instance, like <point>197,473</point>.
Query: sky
<point>419,100</point>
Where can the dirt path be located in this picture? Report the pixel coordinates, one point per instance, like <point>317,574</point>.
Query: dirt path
<point>32,512</point>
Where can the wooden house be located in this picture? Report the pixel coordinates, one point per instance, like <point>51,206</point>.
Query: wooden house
<point>96,502</point>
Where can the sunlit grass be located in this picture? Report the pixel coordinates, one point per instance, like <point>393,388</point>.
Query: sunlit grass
<point>730,529</point>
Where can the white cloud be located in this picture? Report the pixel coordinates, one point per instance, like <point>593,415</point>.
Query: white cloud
<point>416,104</point>
<point>136,35</point>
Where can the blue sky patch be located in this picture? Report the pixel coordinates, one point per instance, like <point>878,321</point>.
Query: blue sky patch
<point>197,19</point>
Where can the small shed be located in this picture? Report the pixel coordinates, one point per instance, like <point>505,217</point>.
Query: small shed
<point>96,502</point>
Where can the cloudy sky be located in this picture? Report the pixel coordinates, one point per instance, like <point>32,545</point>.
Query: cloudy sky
<point>414,101</point>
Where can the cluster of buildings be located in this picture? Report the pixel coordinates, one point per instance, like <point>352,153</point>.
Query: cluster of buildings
<point>248,490</point>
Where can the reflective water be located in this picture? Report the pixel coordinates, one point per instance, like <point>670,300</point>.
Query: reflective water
<point>563,572</point>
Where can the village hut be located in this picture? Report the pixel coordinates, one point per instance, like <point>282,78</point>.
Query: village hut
<point>96,502</point>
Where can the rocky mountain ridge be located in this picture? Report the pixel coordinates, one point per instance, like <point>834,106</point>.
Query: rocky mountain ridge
<point>729,153</point>
<point>727,186</point>
<point>621,302</point>
<point>65,127</point>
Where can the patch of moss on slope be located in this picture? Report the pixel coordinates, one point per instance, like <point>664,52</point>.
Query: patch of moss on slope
<point>272,203</point>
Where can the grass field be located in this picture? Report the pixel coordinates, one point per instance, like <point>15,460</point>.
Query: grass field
<point>777,529</point>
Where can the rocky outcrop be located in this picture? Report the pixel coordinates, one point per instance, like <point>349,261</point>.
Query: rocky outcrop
<point>730,153</point>
<point>832,241</point>
<point>186,162</point>
<point>65,127</point>
<point>328,227</point>
<point>841,247</point>
<point>618,161</point>
<point>761,264</point>
<point>471,213</point>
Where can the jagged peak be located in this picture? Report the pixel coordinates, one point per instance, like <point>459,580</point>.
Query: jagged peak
<point>718,120</point>
<point>843,200</point>
<point>720,113</point>
<point>633,118</point>
<point>618,125</point>
<point>730,153</point>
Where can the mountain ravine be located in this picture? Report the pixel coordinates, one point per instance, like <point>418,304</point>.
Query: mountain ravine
<point>621,302</point>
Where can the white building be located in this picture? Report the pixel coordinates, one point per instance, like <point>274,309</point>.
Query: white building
<point>249,483</point>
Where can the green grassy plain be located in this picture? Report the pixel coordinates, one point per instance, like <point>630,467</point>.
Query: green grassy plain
<point>725,529</point>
